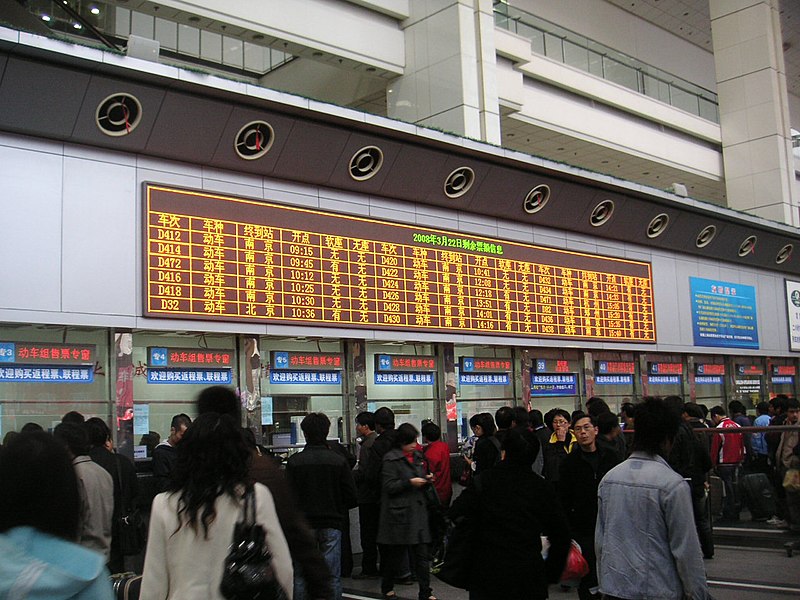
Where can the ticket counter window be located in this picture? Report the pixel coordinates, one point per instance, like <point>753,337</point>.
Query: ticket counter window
<point>749,381</point>
<point>709,380</point>
<point>556,380</point>
<point>781,380</point>
<point>665,375</point>
<point>160,376</point>
<point>614,375</point>
<point>484,381</point>
<point>402,377</point>
<point>47,371</point>
<point>297,377</point>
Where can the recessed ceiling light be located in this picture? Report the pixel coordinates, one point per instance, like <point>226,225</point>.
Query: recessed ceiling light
<point>77,26</point>
<point>46,18</point>
<point>94,10</point>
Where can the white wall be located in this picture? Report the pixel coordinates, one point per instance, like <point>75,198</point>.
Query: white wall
<point>622,31</point>
<point>71,249</point>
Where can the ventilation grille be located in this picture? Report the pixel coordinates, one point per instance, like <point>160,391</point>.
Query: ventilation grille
<point>458,182</point>
<point>706,236</point>
<point>658,225</point>
<point>748,246</point>
<point>118,114</point>
<point>254,140</point>
<point>536,199</point>
<point>366,163</point>
<point>784,254</point>
<point>602,213</point>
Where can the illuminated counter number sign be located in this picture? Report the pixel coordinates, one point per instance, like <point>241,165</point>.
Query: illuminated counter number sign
<point>608,367</point>
<point>189,357</point>
<point>47,354</point>
<point>664,368</point>
<point>404,363</point>
<point>213,257</point>
<point>305,360</point>
<point>709,369</point>
<point>469,364</point>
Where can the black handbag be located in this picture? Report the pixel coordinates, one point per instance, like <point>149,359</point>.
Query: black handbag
<point>131,526</point>
<point>248,573</point>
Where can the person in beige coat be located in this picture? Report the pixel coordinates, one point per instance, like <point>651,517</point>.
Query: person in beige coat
<point>191,524</point>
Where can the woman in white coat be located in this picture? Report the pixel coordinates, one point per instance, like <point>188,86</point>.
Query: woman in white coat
<point>191,524</point>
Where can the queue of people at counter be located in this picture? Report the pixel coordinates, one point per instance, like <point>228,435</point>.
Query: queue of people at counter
<point>525,475</point>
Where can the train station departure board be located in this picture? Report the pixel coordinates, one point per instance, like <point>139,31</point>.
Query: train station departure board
<point>213,257</point>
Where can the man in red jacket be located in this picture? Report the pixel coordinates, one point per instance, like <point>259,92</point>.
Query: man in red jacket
<point>727,455</point>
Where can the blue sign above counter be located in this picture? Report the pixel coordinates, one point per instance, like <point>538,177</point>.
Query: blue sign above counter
<point>554,384</point>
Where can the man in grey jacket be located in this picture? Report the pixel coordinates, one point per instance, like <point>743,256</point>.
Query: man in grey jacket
<point>644,522</point>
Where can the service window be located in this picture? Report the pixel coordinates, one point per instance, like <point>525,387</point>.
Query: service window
<point>47,371</point>
<point>614,376</point>
<point>403,377</point>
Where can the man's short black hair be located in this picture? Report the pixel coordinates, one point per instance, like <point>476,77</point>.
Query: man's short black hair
<point>596,406</point>
<point>656,424</point>
<point>717,411</point>
<point>73,416</point>
<point>736,407</point>
<point>521,417</point>
<point>606,423</point>
<point>98,431</point>
<point>431,431</point>
<point>693,410</point>
<point>366,419</point>
<point>517,450</point>
<point>504,417</point>
<point>582,415</point>
<point>31,426</point>
<point>406,434</point>
<point>219,399</point>
<point>762,408</point>
<point>792,403</point>
<point>384,417</point>
<point>627,409</point>
<point>315,427</point>
<point>536,418</point>
<point>675,403</point>
<point>73,437</point>
<point>180,420</point>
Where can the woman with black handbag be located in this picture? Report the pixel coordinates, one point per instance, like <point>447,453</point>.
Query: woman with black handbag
<point>404,520</point>
<point>207,507</point>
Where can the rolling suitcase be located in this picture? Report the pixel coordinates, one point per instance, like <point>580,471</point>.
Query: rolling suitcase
<point>758,496</point>
<point>127,586</point>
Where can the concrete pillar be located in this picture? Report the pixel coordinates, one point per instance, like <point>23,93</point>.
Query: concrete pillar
<point>450,72</point>
<point>754,109</point>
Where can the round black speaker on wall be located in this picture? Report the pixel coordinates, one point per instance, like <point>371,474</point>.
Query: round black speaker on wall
<point>254,140</point>
<point>118,114</point>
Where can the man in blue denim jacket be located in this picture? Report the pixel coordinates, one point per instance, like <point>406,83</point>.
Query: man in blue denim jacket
<point>645,540</point>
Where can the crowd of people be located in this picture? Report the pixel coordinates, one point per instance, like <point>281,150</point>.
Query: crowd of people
<point>630,489</point>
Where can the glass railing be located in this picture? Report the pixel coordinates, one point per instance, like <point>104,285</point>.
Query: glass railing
<point>185,44</point>
<point>575,50</point>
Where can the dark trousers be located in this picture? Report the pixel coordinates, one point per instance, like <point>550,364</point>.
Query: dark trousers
<point>586,542</point>
<point>369,517</point>
<point>702,522</point>
<point>729,474</point>
<point>391,559</point>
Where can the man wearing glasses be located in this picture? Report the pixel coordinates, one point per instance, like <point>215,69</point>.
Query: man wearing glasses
<point>581,473</point>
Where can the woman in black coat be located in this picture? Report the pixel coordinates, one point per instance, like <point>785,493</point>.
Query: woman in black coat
<point>487,448</point>
<point>509,508</point>
<point>404,513</point>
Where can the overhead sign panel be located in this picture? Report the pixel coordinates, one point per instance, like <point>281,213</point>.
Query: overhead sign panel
<point>215,257</point>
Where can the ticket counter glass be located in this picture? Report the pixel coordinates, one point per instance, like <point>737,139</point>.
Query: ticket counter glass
<point>555,378</point>
<point>782,377</point>
<point>748,381</point>
<point>614,376</point>
<point>663,375</point>
<point>47,371</point>
<point>485,381</point>
<point>297,377</point>
<point>403,377</point>
<point>707,379</point>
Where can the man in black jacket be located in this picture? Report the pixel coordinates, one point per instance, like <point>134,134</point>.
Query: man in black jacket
<point>325,490</point>
<point>690,458</point>
<point>369,506</point>
<point>581,473</point>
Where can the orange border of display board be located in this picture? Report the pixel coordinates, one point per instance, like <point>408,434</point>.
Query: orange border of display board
<point>215,257</point>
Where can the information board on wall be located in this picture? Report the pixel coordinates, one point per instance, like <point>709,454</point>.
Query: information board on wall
<point>723,314</point>
<point>214,257</point>
<point>793,312</point>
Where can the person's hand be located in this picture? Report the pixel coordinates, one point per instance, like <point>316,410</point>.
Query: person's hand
<point>430,477</point>
<point>418,482</point>
<point>561,427</point>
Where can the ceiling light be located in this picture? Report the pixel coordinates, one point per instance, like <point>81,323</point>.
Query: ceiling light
<point>95,11</point>
<point>46,18</point>
<point>77,26</point>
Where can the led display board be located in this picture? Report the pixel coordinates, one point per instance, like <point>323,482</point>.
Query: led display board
<point>214,257</point>
<point>304,360</point>
<point>47,353</point>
